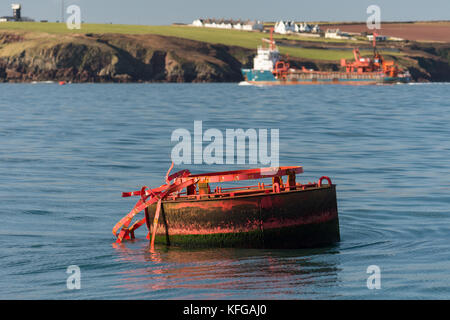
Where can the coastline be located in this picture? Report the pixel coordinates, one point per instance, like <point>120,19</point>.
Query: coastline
<point>29,56</point>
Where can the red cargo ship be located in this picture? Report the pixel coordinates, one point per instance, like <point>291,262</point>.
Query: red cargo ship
<point>269,69</point>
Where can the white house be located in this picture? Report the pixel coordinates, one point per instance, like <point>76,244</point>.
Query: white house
<point>284,27</point>
<point>225,24</point>
<point>336,34</point>
<point>396,39</point>
<point>316,29</point>
<point>280,27</point>
<point>229,24</point>
<point>210,23</point>
<point>237,25</point>
<point>253,26</point>
<point>304,27</point>
<point>198,23</point>
<point>379,37</point>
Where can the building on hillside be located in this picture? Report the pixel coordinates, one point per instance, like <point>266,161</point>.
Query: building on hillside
<point>226,24</point>
<point>210,23</point>
<point>396,39</point>
<point>238,25</point>
<point>378,38</point>
<point>337,34</point>
<point>17,14</point>
<point>304,27</point>
<point>253,26</point>
<point>16,11</point>
<point>284,27</point>
<point>229,24</point>
<point>198,23</point>
<point>316,29</point>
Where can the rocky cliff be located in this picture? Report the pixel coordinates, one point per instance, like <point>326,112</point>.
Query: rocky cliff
<point>33,56</point>
<point>116,58</point>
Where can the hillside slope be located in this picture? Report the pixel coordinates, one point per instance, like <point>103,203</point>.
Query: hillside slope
<point>79,57</point>
<point>116,58</point>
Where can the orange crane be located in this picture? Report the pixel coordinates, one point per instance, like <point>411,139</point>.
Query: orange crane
<point>375,64</point>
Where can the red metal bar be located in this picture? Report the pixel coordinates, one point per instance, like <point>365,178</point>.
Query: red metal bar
<point>249,174</point>
<point>155,224</point>
<point>141,205</point>
<point>184,179</point>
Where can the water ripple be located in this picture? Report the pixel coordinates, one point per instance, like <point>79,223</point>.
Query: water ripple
<point>67,155</point>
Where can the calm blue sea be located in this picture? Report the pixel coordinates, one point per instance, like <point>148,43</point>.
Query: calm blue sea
<point>67,153</point>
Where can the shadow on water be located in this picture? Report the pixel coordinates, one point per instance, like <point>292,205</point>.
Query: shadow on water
<point>227,273</point>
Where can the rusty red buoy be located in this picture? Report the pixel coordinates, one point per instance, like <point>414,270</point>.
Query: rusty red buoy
<point>187,212</point>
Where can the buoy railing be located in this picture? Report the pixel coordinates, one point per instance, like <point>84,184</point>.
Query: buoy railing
<point>198,187</point>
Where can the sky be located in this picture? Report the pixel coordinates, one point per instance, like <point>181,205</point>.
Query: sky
<point>152,12</point>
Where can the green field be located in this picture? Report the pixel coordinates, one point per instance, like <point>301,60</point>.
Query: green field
<point>244,39</point>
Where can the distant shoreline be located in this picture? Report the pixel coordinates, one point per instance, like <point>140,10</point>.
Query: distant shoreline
<point>126,53</point>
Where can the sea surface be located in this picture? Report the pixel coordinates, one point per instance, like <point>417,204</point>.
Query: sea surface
<point>67,153</point>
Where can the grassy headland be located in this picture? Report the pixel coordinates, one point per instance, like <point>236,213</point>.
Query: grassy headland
<point>201,54</point>
<point>249,40</point>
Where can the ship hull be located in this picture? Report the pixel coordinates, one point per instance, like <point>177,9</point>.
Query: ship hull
<point>257,77</point>
<point>289,219</point>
